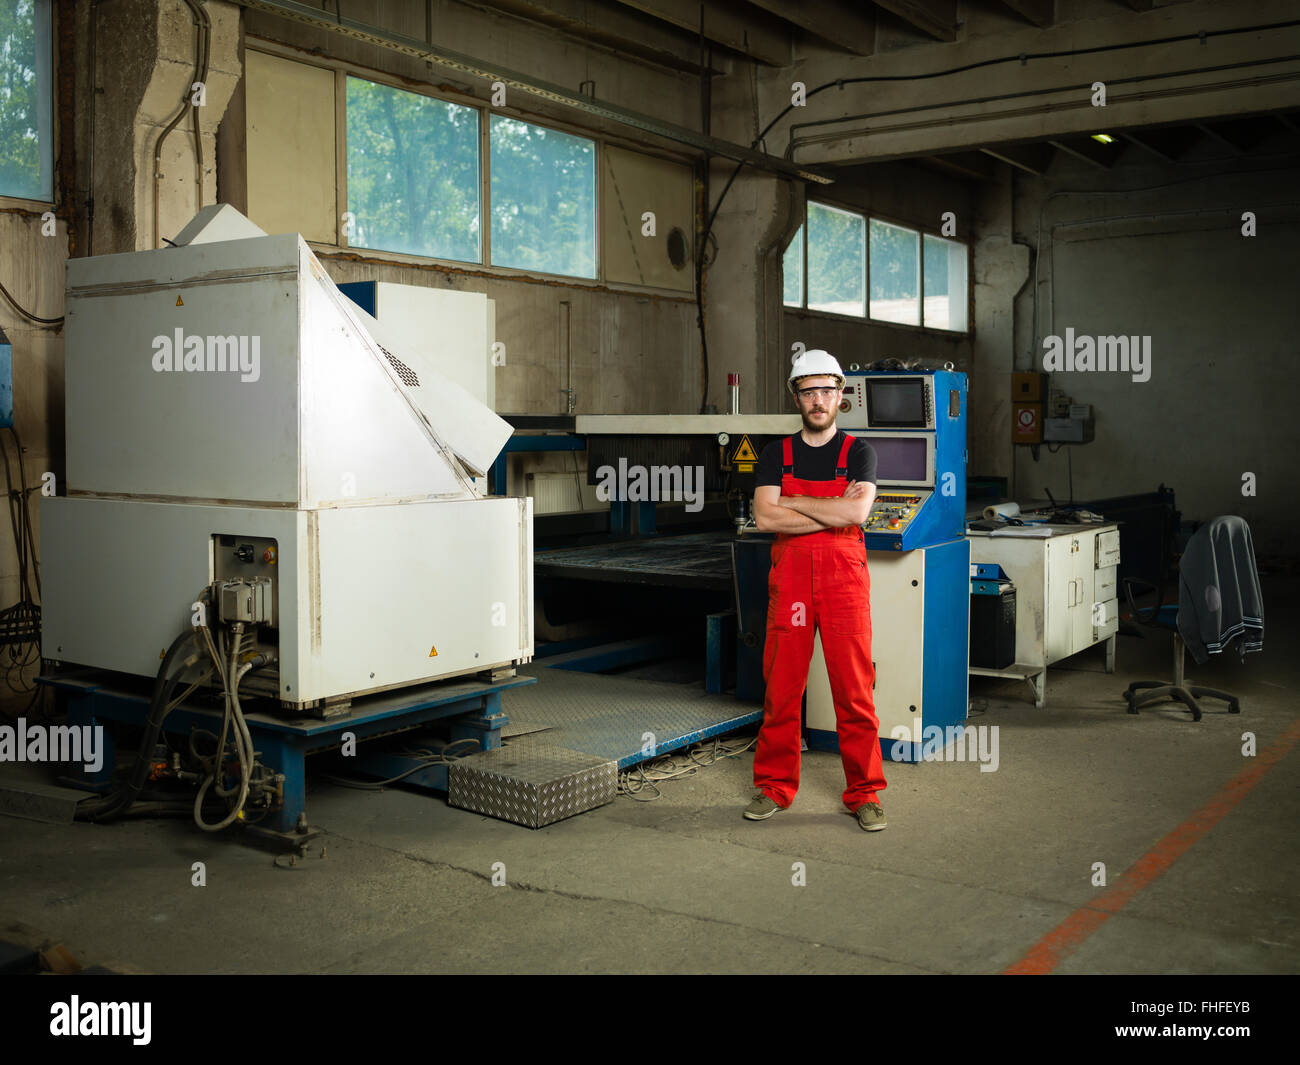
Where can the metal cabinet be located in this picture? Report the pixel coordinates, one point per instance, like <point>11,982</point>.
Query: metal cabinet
<point>1066,594</point>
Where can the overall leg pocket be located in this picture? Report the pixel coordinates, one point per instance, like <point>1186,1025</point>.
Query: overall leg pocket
<point>845,599</point>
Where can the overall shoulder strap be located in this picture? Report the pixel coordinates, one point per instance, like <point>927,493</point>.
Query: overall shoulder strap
<point>842,466</point>
<point>787,455</point>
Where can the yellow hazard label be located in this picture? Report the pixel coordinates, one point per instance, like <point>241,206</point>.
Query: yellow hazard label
<point>744,451</point>
<point>180,302</point>
<point>433,653</point>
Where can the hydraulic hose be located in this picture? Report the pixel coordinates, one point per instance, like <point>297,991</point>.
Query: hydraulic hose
<point>164,684</point>
<point>234,673</point>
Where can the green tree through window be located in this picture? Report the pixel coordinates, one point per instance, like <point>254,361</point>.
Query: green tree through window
<point>543,194</point>
<point>895,273</point>
<point>413,173</point>
<point>836,260</point>
<point>25,100</point>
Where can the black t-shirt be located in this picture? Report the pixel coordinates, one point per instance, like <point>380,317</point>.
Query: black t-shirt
<point>817,463</point>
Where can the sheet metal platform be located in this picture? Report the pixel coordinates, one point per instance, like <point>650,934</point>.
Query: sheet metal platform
<point>609,716</point>
<point>695,560</point>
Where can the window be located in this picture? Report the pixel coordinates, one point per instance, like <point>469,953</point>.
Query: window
<point>413,173</point>
<point>869,268</point>
<point>836,260</point>
<point>26,100</point>
<point>437,179</point>
<point>793,271</point>
<point>945,284</point>
<point>895,274</point>
<point>543,194</point>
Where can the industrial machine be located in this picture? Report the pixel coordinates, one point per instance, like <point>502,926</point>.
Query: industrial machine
<point>260,466</point>
<point>917,557</point>
<point>916,423</point>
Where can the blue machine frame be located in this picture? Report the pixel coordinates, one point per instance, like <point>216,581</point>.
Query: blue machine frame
<point>475,707</point>
<point>943,517</point>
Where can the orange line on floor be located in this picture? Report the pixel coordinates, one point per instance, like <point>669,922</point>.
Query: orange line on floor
<point>1065,938</point>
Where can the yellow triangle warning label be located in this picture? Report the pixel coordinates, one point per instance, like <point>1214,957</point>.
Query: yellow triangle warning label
<point>744,451</point>
<point>180,302</point>
<point>433,653</point>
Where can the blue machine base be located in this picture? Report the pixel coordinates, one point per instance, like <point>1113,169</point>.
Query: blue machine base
<point>474,706</point>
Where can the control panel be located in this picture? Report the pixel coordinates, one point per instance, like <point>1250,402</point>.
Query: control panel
<point>915,423</point>
<point>248,558</point>
<point>893,511</point>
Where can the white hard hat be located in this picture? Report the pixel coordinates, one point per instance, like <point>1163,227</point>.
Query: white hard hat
<point>815,363</point>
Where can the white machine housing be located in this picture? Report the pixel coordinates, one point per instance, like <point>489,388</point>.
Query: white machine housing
<point>348,460</point>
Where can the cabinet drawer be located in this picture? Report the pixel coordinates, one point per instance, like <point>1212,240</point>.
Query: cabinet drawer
<point>1107,549</point>
<point>1105,619</point>
<point>1103,584</point>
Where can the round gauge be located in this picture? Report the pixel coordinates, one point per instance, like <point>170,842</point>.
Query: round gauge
<point>723,438</point>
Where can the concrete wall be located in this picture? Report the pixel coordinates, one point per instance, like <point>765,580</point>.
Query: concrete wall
<point>1157,250</point>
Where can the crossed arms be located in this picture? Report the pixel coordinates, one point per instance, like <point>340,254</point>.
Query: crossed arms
<point>774,512</point>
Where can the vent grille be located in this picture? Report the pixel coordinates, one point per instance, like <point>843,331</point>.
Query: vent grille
<point>403,371</point>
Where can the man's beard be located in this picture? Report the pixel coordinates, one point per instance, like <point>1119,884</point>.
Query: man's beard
<point>818,426</point>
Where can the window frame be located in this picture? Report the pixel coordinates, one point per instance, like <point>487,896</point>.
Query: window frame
<point>343,69</point>
<point>23,202</point>
<point>866,319</point>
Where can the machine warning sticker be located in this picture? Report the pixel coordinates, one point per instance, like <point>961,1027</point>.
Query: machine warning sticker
<point>180,302</point>
<point>744,457</point>
<point>433,653</point>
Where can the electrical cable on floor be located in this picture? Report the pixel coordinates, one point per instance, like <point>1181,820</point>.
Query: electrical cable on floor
<point>647,776</point>
<point>379,785</point>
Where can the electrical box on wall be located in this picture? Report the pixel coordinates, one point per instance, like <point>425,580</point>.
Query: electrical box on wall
<point>1029,394</point>
<point>1026,423</point>
<point>1028,388</point>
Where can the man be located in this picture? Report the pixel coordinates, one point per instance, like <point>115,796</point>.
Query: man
<point>815,489</point>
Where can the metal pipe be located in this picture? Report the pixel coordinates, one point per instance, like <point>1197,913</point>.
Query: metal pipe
<point>465,64</point>
<point>566,326</point>
<point>204,27</point>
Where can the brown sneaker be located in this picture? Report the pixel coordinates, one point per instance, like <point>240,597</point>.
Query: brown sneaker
<point>761,807</point>
<point>871,816</point>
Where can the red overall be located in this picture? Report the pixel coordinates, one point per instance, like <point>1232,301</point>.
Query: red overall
<point>819,578</point>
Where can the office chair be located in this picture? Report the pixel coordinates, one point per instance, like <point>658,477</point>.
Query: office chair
<point>1227,539</point>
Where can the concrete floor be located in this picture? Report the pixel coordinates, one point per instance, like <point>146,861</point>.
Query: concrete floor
<point>974,869</point>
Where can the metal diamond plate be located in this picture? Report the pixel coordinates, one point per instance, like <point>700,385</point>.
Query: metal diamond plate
<point>532,784</point>
<point>610,716</point>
